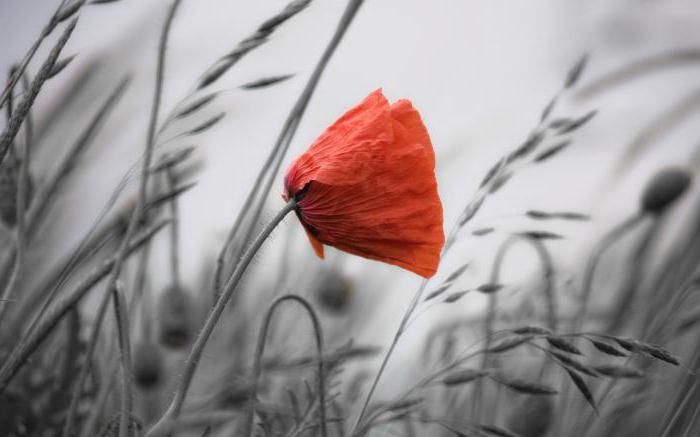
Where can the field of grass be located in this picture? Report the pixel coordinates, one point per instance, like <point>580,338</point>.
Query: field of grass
<point>90,348</point>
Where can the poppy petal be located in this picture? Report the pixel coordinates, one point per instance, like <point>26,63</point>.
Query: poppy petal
<point>349,149</point>
<point>370,189</point>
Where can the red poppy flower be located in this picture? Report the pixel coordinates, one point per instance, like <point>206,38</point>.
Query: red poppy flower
<point>367,186</point>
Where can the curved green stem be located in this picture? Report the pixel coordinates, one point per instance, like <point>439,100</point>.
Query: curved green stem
<point>260,348</point>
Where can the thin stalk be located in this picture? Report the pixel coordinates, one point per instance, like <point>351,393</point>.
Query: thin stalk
<point>85,368</point>
<point>465,217</point>
<point>102,396</point>
<point>165,425</point>
<point>678,411</point>
<point>693,418</point>
<point>45,326</point>
<point>122,322</point>
<point>95,239</point>
<point>548,291</point>
<point>142,292</point>
<point>630,289</point>
<point>596,255</point>
<point>139,211</point>
<point>282,143</point>
<point>44,196</point>
<point>174,229</point>
<point>638,69</point>
<point>21,207</point>
<point>27,101</point>
<point>260,349</point>
<point>399,332</point>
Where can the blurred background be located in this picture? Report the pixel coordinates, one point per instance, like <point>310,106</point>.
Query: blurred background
<point>479,72</point>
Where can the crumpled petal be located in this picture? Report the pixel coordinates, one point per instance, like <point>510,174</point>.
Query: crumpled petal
<point>367,186</point>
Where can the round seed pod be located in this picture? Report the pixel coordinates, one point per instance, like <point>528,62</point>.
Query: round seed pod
<point>334,292</point>
<point>664,188</point>
<point>175,317</point>
<point>532,417</point>
<point>8,193</point>
<point>148,365</point>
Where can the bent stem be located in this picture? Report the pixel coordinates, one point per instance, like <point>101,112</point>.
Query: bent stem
<point>260,348</point>
<point>165,425</point>
<point>548,291</point>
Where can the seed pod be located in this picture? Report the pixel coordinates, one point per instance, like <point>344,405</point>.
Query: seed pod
<point>148,365</point>
<point>8,193</point>
<point>532,417</point>
<point>334,292</point>
<point>664,188</point>
<point>175,317</point>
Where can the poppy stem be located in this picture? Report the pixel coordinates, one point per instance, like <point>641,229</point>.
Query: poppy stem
<point>166,423</point>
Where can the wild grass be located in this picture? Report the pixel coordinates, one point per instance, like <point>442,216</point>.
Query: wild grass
<point>558,369</point>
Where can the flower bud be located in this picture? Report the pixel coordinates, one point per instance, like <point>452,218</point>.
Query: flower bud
<point>664,188</point>
<point>334,292</point>
<point>148,365</point>
<point>175,317</point>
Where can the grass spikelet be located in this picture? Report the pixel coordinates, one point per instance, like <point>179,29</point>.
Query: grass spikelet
<point>489,288</point>
<point>60,65</point>
<point>552,151</point>
<point>195,105</point>
<point>509,343</point>
<point>576,71</point>
<point>582,387</point>
<point>463,376</point>
<point>207,124</point>
<point>454,297</point>
<point>563,345</point>
<point>615,371</point>
<point>606,348</point>
<point>542,235</point>
<point>572,364</point>
<point>266,82</point>
<point>523,386</point>
<point>532,330</point>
